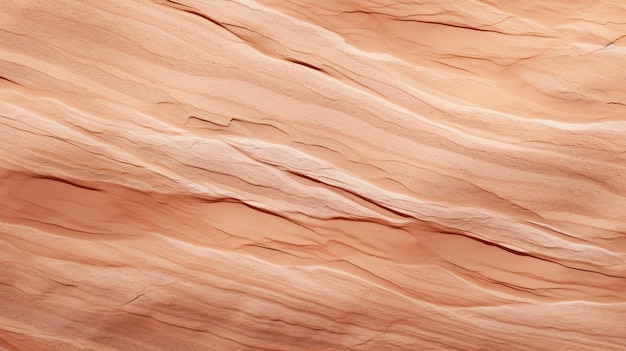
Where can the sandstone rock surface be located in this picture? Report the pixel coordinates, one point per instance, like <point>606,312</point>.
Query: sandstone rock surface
<point>312,175</point>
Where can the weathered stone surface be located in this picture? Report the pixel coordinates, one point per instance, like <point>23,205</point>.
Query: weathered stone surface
<point>312,175</point>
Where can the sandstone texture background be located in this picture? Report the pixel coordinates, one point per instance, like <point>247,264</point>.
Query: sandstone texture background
<point>312,175</point>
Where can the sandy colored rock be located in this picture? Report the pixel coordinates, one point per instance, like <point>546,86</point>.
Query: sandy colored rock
<point>312,175</point>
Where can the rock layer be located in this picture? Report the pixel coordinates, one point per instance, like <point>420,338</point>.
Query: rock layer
<point>312,175</point>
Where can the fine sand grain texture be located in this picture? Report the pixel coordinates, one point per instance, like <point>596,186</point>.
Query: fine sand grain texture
<point>321,175</point>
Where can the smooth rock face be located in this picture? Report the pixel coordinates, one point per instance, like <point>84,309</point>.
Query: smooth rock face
<point>312,175</point>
